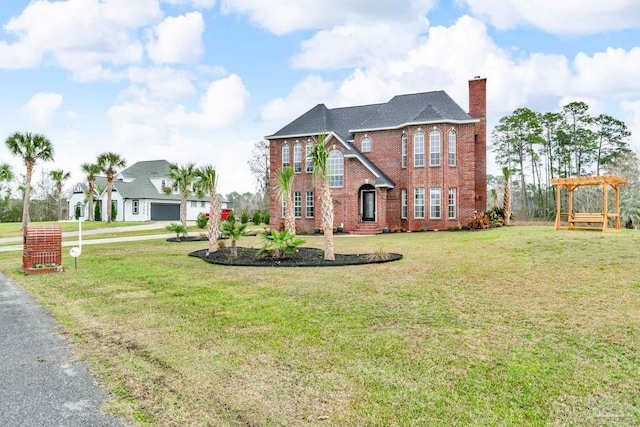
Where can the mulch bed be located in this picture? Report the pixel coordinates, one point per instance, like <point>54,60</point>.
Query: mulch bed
<point>305,257</point>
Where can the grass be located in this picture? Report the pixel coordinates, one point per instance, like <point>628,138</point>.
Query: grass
<point>513,326</point>
<point>12,229</point>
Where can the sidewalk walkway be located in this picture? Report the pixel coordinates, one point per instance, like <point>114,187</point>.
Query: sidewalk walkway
<point>42,382</point>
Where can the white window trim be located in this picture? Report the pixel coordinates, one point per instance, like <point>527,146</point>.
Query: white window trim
<point>416,205</point>
<point>454,205</point>
<point>439,205</point>
<point>297,204</point>
<point>288,157</point>
<point>403,150</point>
<point>331,171</point>
<point>404,208</point>
<point>297,154</point>
<point>309,205</point>
<point>455,148</point>
<point>415,151</point>
<point>366,138</point>
<point>439,146</point>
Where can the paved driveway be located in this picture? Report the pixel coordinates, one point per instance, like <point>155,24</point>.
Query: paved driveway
<point>41,382</point>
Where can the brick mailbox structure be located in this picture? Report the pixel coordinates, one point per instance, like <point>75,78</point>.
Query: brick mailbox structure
<point>42,250</point>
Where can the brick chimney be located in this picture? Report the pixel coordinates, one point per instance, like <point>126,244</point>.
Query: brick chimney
<point>478,110</point>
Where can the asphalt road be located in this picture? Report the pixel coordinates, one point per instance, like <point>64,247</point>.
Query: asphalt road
<point>41,381</point>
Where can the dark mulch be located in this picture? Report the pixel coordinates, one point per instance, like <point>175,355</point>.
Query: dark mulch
<point>189,239</point>
<point>305,257</point>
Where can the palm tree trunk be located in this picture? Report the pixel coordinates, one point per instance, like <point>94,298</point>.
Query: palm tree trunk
<point>91,190</point>
<point>327,219</point>
<point>214,221</point>
<point>109,186</point>
<point>183,209</point>
<point>289,219</point>
<point>234,248</point>
<point>27,192</point>
<point>59,189</point>
<point>507,202</point>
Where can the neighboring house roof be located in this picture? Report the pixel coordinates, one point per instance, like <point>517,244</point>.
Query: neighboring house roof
<point>148,168</point>
<point>138,184</point>
<point>400,111</point>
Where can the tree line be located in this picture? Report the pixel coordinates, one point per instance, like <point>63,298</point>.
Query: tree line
<point>538,147</point>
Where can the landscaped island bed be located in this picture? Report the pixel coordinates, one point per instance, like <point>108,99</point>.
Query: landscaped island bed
<point>512,326</point>
<point>303,257</point>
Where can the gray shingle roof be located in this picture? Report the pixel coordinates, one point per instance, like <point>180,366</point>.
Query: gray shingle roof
<point>414,108</point>
<point>148,168</point>
<point>140,186</point>
<point>400,110</point>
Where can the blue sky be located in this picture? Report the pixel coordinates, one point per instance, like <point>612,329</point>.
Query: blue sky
<point>202,80</point>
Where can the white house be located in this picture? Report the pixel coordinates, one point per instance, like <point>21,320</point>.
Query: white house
<point>139,195</point>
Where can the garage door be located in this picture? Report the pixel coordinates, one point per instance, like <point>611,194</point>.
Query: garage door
<point>165,212</point>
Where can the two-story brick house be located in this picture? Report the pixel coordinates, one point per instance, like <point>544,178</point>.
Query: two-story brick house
<point>417,161</point>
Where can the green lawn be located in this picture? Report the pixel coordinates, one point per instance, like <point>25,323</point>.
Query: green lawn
<point>513,326</point>
<point>12,229</point>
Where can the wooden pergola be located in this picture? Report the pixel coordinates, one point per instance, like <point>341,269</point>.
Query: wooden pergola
<point>571,184</point>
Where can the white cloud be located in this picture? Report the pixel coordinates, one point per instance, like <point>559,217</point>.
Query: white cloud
<point>357,44</point>
<point>306,94</point>
<point>17,56</point>
<point>200,4</point>
<point>610,73</point>
<point>41,108</point>
<point>178,40</point>
<point>632,110</point>
<point>285,16</point>
<point>163,82</point>
<point>140,116</point>
<point>559,17</point>
<point>80,35</point>
<point>225,102</point>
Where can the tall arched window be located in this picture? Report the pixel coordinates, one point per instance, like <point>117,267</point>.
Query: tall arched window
<point>307,154</point>
<point>404,150</point>
<point>286,161</point>
<point>434,148</point>
<point>418,149</point>
<point>336,168</point>
<point>452,147</point>
<point>366,144</point>
<point>297,158</point>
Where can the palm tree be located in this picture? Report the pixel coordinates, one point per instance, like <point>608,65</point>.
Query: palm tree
<point>494,197</point>
<point>284,188</point>
<point>31,148</point>
<point>320,156</point>
<point>507,195</point>
<point>109,163</point>
<point>5,172</point>
<point>91,169</point>
<point>233,231</point>
<point>59,177</point>
<point>182,177</point>
<point>206,183</point>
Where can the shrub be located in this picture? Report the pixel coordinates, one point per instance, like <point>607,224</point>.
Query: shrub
<point>222,244</point>
<point>266,217</point>
<point>97,212</point>
<point>77,212</point>
<point>397,229</point>
<point>256,218</point>
<point>277,244</point>
<point>202,220</point>
<point>244,216</point>
<point>479,221</point>
<point>379,255</point>
<point>233,231</point>
<point>114,211</point>
<point>179,229</point>
<point>231,217</point>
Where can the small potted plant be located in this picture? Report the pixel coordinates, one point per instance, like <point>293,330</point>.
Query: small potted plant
<point>340,228</point>
<point>385,230</point>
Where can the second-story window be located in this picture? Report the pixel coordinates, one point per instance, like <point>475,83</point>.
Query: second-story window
<point>297,158</point>
<point>404,150</point>
<point>434,148</point>
<point>418,149</point>
<point>286,161</point>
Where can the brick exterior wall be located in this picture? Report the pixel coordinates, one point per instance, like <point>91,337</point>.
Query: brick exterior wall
<point>42,246</point>
<point>468,176</point>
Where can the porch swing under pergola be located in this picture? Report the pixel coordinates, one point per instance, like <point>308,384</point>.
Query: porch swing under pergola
<point>574,218</point>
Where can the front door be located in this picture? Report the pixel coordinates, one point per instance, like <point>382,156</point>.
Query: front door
<point>368,205</point>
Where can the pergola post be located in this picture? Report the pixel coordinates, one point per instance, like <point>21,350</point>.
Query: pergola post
<point>605,208</point>
<point>558,205</point>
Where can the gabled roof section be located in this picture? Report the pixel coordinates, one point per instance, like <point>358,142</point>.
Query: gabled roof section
<point>310,123</point>
<point>415,108</point>
<point>148,168</point>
